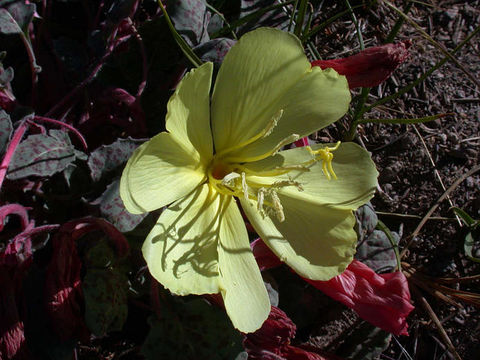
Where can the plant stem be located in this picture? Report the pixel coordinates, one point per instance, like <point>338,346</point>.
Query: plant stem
<point>186,49</point>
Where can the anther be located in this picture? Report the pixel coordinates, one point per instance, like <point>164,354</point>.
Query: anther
<point>244,186</point>
<point>230,178</point>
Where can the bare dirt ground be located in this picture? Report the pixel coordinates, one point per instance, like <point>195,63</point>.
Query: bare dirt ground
<point>417,163</point>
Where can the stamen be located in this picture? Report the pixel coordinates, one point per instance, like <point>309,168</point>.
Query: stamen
<point>279,170</point>
<point>277,206</point>
<point>244,186</point>
<point>260,198</point>
<point>284,183</point>
<point>276,149</point>
<point>230,178</point>
<point>288,140</point>
<point>273,123</point>
<point>264,133</point>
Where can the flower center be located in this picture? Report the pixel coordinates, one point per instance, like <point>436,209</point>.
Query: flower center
<point>219,171</point>
<point>229,175</point>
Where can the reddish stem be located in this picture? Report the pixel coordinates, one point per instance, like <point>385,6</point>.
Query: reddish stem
<point>143,53</point>
<point>69,127</point>
<point>12,146</point>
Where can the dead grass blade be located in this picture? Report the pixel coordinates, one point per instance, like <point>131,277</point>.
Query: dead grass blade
<point>452,187</point>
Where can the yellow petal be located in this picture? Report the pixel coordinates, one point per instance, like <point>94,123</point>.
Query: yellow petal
<point>318,242</point>
<point>181,249</point>
<point>188,111</point>
<point>257,70</point>
<point>266,73</point>
<point>159,172</point>
<point>318,99</point>
<point>244,293</point>
<point>356,176</point>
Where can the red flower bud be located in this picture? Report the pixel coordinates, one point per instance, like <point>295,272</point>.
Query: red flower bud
<point>371,66</point>
<point>383,300</point>
<point>272,341</point>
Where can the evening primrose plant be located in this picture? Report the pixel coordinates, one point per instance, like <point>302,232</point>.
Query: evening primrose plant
<point>223,154</point>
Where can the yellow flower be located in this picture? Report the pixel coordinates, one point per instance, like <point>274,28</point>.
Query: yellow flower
<point>225,151</point>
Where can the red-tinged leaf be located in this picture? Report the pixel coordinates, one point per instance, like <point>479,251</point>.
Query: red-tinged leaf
<point>214,50</point>
<point>80,227</point>
<point>109,157</point>
<point>112,208</point>
<point>22,12</point>
<point>42,155</point>
<point>371,66</point>
<point>383,300</point>
<point>113,113</point>
<point>14,209</point>
<point>63,294</point>
<point>272,338</point>
<point>63,290</point>
<point>273,341</point>
<point>8,25</point>
<point>15,259</point>
<point>7,101</point>
<point>191,19</point>
<point>12,337</point>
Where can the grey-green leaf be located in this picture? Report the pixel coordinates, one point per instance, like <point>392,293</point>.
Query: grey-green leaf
<point>42,155</point>
<point>112,208</point>
<point>6,129</point>
<point>108,157</point>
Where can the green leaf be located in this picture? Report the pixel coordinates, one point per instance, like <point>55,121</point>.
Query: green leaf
<point>467,219</point>
<point>469,243</point>
<point>192,330</point>
<point>105,292</point>
<point>108,157</point>
<point>112,208</point>
<point>468,247</point>
<point>42,155</point>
